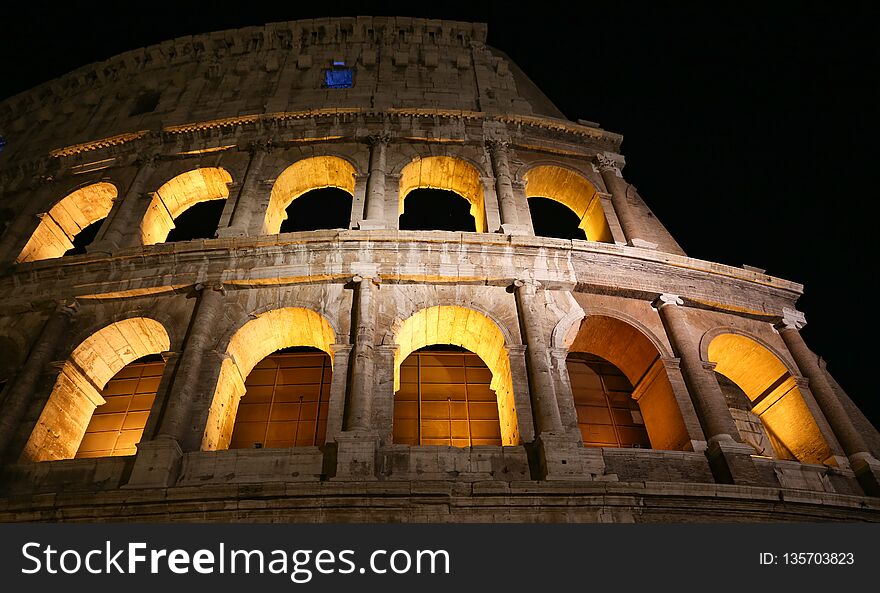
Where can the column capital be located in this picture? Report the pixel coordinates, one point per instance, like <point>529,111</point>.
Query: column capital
<point>379,138</point>
<point>671,362</point>
<point>260,146</point>
<point>499,144</point>
<point>667,299</point>
<point>387,349</point>
<point>359,278</point>
<point>791,319</point>
<point>516,349</point>
<point>801,382</point>
<point>708,365</point>
<point>169,355</point>
<point>68,308</point>
<point>530,284</point>
<point>341,349</point>
<point>559,353</point>
<point>215,286</point>
<point>148,159</point>
<point>609,162</point>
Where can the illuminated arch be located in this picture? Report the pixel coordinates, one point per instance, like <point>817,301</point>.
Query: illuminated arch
<point>178,195</point>
<point>638,358</point>
<point>773,393</point>
<point>301,177</point>
<point>574,191</point>
<point>449,173</point>
<point>77,391</point>
<point>64,221</point>
<point>473,331</point>
<point>255,340</point>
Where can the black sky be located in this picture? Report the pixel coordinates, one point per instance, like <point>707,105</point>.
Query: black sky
<point>749,127</point>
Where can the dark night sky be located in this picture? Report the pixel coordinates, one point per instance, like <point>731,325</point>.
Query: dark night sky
<point>748,126</point>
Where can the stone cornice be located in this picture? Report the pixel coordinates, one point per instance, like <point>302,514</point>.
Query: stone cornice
<point>586,266</point>
<point>257,124</point>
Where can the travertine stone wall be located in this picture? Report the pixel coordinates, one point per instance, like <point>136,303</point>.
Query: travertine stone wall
<point>242,116</point>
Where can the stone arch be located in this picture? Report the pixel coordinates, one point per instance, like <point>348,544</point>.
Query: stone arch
<point>638,354</point>
<point>449,173</point>
<point>773,393</point>
<point>510,337</point>
<point>469,329</point>
<point>574,191</point>
<point>77,390</point>
<point>713,333</point>
<point>302,176</point>
<point>66,219</point>
<point>261,336</point>
<point>179,194</point>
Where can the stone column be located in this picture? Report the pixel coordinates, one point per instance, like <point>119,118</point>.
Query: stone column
<point>245,201</point>
<point>519,375</point>
<point>560,454</point>
<point>122,227</point>
<point>547,417</point>
<point>158,460</point>
<point>357,444</point>
<point>21,390</point>
<point>336,405</point>
<point>862,461</point>
<point>729,458</point>
<point>375,210</point>
<point>358,201</point>
<point>503,187</point>
<point>564,394</point>
<point>617,187</point>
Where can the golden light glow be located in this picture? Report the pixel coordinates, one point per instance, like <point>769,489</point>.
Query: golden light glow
<point>64,221</point>
<point>776,398</point>
<point>178,195</point>
<point>301,177</point>
<point>571,190</point>
<point>254,341</point>
<point>470,330</point>
<point>449,173</point>
<point>635,355</point>
<point>77,390</point>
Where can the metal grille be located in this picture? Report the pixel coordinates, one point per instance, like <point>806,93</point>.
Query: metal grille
<point>285,404</point>
<point>607,414</point>
<point>445,399</point>
<point>116,427</point>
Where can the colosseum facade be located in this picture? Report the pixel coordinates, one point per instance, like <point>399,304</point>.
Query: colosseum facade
<point>424,295</point>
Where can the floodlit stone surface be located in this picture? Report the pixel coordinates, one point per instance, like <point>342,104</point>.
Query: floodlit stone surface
<point>744,422</point>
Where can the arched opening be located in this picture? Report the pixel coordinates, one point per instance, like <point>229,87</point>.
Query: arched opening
<point>607,414</point>
<point>286,401</point>
<point>623,363</point>
<point>260,337</point>
<point>85,238</point>
<point>552,219</point>
<point>444,395</point>
<point>573,191</point>
<point>442,173</point>
<point>302,177</point>
<point>765,402</point>
<point>186,207</point>
<point>318,209</point>
<point>445,398</point>
<point>117,425</point>
<point>84,379</point>
<point>59,229</point>
<point>437,210</point>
